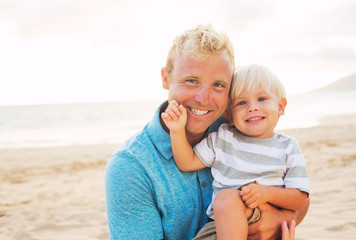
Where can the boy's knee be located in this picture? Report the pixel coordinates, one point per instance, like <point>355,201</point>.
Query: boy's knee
<point>227,198</point>
<point>230,200</point>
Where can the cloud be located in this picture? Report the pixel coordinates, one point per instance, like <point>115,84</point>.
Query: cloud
<point>340,54</point>
<point>238,15</point>
<point>112,43</point>
<point>324,59</point>
<point>340,20</point>
<point>40,18</point>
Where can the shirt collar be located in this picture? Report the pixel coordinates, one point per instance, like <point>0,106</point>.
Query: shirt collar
<point>160,138</point>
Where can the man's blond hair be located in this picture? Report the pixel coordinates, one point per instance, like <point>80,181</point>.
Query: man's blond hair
<point>249,77</point>
<point>200,42</point>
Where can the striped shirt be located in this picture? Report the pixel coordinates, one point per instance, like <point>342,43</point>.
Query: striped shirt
<point>236,159</point>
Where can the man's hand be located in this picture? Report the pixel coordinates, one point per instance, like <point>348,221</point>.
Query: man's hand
<point>254,195</point>
<point>288,232</point>
<point>175,117</point>
<point>269,225</point>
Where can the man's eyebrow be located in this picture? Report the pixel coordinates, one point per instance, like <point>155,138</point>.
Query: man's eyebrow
<point>222,81</point>
<point>191,76</point>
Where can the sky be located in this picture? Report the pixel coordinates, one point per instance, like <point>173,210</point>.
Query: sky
<point>62,51</point>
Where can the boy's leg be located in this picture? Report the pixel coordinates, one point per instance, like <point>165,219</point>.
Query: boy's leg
<point>208,232</point>
<point>231,214</point>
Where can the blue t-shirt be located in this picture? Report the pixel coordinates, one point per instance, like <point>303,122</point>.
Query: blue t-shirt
<point>147,196</point>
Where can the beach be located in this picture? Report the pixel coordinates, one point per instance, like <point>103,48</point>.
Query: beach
<point>58,192</point>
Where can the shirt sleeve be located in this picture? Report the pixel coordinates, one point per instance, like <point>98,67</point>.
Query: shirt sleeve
<point>205,149</point>
<point>130,205</point>
<point>296,174</point>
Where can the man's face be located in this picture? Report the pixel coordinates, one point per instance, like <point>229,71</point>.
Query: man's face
<point>202,87</point>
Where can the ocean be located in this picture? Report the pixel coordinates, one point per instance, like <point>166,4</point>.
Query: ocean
<point>113,122</point>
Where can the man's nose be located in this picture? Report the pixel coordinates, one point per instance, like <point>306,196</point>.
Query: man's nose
<point>203,95</point>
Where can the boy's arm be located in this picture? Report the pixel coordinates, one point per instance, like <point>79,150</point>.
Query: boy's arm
<point>184,156</point>
<point>175,118</point>
<point>287,198</point>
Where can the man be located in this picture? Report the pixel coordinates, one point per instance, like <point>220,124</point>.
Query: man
<point>147,197</point>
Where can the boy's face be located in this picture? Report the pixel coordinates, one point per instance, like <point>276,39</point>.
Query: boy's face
<point>202,87</point>
<point>256,113</point>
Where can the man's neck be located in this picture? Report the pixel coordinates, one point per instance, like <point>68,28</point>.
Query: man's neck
<point>194,138</point>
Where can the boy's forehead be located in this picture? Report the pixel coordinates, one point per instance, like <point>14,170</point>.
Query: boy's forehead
<point>256,90</point>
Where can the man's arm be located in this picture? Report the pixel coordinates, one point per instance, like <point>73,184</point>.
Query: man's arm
<point>301,213</point>
<point>269,225</point>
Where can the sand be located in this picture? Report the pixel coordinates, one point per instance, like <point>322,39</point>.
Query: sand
<point>58,192</point>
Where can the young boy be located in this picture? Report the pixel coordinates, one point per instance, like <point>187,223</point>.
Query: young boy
<point>250,163</point>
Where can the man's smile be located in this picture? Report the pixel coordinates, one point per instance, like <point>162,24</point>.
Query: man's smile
<point>198,112</point>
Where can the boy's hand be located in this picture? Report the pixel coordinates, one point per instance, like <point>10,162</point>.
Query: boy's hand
<point>254,195</point>
<point>175,117</point>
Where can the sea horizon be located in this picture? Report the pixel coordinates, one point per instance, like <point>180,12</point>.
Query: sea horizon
<point>67,124</point>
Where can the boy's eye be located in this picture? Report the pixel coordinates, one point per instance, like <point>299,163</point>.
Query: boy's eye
<point>261,99</point>
<point>241,103</point>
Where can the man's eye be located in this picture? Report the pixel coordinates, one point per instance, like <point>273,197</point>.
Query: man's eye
<point>191,81</point>
<point>219,85</point>
<point>261,99</point>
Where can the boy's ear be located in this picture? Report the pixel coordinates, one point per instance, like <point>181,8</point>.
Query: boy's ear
<point>281,106</point>
<point>228,117</point>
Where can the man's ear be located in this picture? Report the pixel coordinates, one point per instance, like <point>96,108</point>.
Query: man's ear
<point>281,106</point>
<point>164,75</point>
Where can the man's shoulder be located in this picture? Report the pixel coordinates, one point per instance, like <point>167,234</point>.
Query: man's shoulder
<point>133,149</point>
<point>133,158</point>
<point>150,144</point>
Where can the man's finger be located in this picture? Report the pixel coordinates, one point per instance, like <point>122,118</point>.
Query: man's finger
<point>285,231</point>
<point>253,237</point>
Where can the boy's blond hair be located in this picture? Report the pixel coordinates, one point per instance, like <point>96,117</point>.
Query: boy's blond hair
<point>200,42</point>
<point>249,77</point>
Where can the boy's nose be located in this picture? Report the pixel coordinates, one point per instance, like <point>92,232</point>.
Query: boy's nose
<point>253,108</point>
